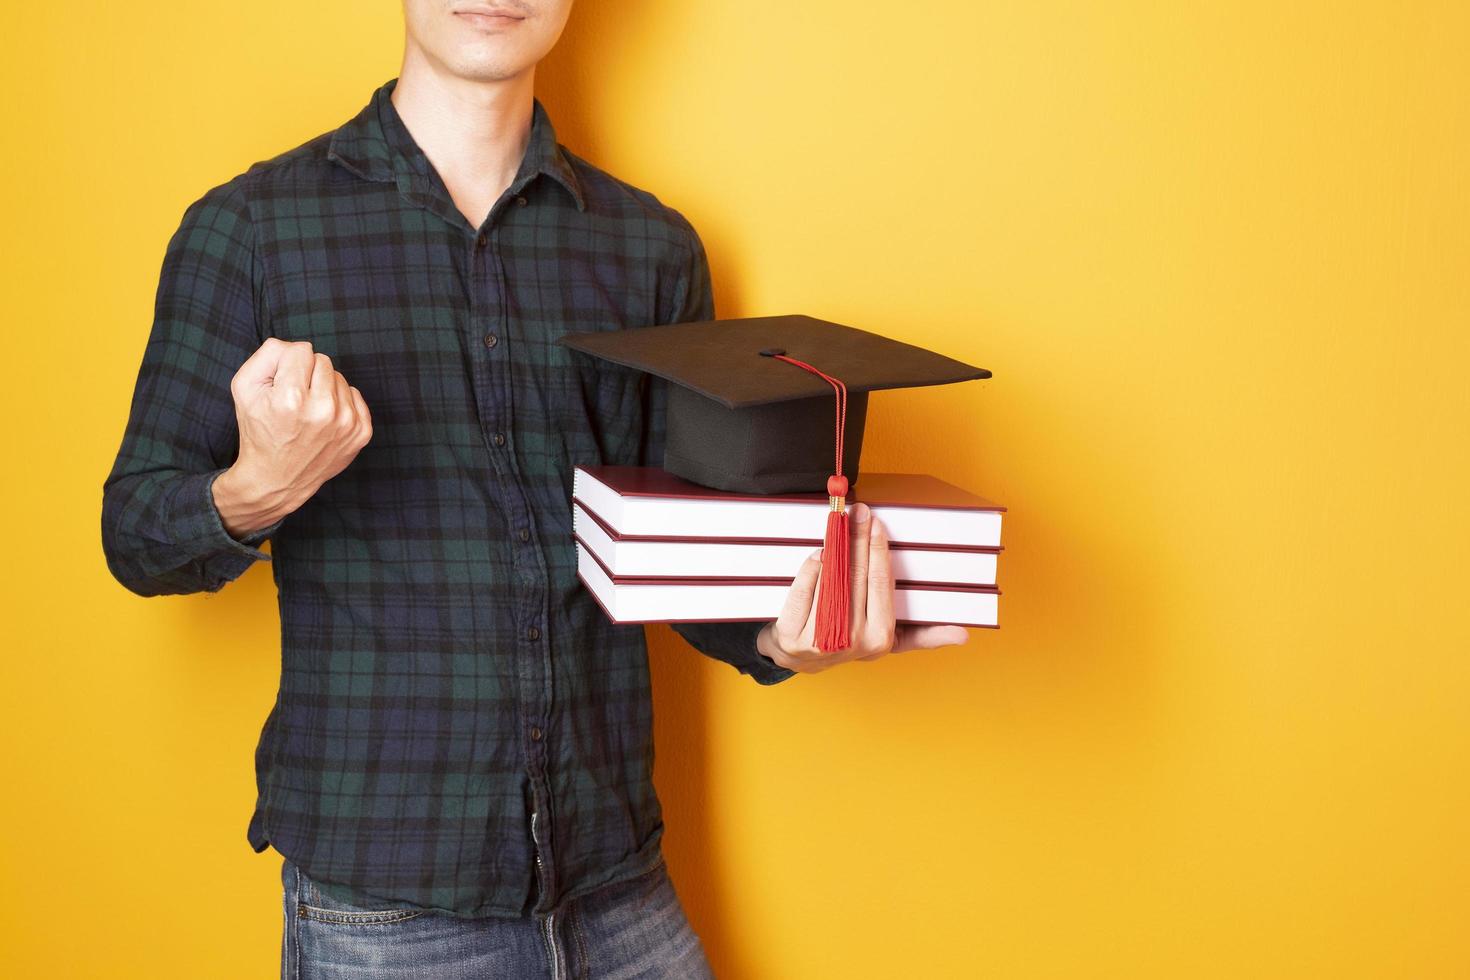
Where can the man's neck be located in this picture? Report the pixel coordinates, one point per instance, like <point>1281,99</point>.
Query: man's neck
<point>474,133</point>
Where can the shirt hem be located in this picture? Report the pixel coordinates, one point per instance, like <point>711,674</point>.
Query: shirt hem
<point>652,850</point>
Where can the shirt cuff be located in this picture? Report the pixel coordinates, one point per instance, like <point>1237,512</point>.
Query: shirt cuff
<point>734,644</point>
<point>767,671</point>
<point>200,528</point>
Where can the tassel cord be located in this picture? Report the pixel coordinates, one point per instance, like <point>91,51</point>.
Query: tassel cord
<point>835,586</point>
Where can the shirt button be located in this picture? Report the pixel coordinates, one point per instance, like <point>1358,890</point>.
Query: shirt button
<point>533,634</point>
<point>491,340</point>
<point>500,438</point>
<point>521,201</point>
<point>480,240</point>
<point>535,734</point>
<point>525,535</point>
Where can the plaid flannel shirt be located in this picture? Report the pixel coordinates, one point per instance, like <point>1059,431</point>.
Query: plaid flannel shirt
<point>458,726</point>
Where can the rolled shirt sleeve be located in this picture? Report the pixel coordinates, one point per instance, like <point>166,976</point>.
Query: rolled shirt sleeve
<point>161,531</point>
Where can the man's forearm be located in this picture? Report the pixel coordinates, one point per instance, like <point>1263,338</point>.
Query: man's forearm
<point>246,504</point>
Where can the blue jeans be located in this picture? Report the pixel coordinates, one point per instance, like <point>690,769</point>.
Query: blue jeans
<point>628,929</point>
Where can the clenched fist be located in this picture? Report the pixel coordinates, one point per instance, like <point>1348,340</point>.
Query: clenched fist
<point>300,423</point>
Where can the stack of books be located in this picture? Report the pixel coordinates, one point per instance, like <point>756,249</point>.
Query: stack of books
<point>654,548</point>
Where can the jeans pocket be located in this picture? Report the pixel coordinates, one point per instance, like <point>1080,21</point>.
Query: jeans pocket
<point>315,903</point>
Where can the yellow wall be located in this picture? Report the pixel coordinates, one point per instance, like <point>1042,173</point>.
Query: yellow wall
<point>1217,256</point>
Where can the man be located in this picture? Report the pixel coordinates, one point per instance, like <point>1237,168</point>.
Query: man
<point>353,355</point>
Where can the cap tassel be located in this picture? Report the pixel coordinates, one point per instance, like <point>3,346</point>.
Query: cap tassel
<point>834,589</point>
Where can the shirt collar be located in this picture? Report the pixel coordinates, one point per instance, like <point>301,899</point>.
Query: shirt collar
<point>376,145</point>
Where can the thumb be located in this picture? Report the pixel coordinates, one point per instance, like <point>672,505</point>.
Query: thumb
<point>798,605</point>
<point>259,369</point>
<point>912,637</point>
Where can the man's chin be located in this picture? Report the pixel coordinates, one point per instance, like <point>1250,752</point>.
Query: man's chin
<point>485,69</point>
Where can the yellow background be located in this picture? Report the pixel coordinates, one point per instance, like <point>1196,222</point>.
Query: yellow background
<point>1217,256</point>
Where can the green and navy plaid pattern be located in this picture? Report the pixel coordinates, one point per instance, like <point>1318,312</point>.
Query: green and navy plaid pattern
<point>459,726</point>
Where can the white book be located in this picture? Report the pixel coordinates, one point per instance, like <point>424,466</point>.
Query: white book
<point>685,601</point>
<point>668,556</point>
<point>914,508</point>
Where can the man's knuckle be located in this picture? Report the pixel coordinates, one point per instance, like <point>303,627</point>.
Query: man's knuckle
<point>796,649</point>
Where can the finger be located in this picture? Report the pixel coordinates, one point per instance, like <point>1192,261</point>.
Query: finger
<point>260,367</point>
<point>346,410</point>
<point>857,563</point>
<point>293,373</point>
<point>879,599</point>
<point>797,609</point>
<point>808,639</point>
<point>323,376</point>
<point>359,404</point>
<point>910,637</point>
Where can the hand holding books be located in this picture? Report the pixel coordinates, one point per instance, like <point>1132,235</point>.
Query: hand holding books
<point>790,640</point>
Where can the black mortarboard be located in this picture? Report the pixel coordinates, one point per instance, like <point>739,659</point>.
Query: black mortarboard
<point>740,421</point>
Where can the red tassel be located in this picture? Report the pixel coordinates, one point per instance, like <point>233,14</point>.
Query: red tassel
<point>835,588</point>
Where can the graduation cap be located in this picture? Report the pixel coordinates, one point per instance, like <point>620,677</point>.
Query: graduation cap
<point>774,404</point>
